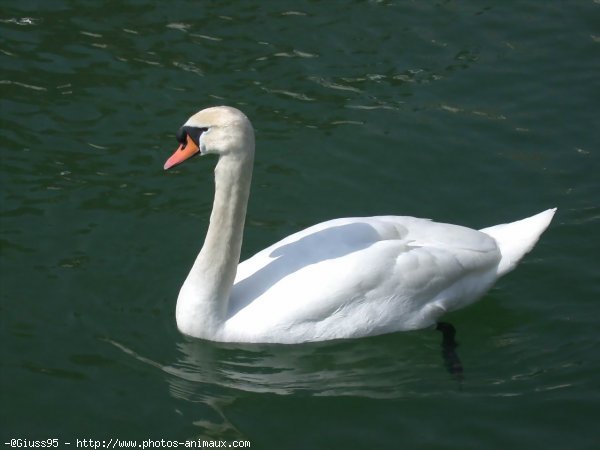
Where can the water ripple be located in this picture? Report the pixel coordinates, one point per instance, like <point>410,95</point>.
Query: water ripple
<point>24,85</point>
<point>23,21</point>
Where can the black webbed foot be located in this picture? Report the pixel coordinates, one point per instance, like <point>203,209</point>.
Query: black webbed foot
<point>449,345</point>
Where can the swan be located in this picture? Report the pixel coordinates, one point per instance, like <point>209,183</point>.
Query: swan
<point>343,278</point>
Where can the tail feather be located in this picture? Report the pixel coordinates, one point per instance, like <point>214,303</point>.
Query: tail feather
<point>516,239</point>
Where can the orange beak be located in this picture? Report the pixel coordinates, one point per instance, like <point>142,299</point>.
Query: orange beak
<point>183,152</point>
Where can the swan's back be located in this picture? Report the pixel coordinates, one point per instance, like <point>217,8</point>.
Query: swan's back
<point>359,276</point>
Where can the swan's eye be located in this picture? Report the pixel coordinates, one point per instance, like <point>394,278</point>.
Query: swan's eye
<point>181,136</point>
<point>192,132</point>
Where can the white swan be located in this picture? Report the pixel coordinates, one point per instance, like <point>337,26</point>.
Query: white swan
<point>343,278</point>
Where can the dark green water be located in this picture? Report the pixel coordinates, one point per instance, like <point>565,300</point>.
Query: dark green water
<point>467,112</point>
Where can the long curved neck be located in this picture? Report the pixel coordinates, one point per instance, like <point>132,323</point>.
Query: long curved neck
<point>204,297</point>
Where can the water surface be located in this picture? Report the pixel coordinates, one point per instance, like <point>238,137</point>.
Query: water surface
<point>473,113</point>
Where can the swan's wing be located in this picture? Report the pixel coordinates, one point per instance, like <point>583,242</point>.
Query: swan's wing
<point>377,273</point>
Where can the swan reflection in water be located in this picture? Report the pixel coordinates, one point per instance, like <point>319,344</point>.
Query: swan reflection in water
<point>206,377</point>
<point>379,367</point>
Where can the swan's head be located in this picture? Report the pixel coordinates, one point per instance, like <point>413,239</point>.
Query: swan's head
<point>221,130</point>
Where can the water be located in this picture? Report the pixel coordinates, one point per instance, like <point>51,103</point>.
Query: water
<point>467,112</point>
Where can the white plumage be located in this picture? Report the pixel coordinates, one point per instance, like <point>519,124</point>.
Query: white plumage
<point>342,278</point>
